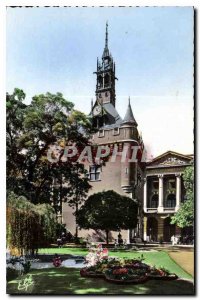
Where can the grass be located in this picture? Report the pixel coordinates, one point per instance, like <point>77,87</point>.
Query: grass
<point>158,258</point>
<point>72,251</point>
<point>64,281</point>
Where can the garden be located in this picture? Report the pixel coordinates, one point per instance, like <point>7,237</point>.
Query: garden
<point>36,189</point>
<point>98,272</point>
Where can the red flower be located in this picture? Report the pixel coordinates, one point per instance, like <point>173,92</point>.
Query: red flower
<point>120,271</point>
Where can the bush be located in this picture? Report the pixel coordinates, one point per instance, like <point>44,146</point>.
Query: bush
<point>29,226</point>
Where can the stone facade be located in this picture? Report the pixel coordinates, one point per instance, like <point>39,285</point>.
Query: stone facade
<point>163,193</point>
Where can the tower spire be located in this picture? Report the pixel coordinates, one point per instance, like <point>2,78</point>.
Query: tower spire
<point>106,51</point>
<point>106,40</point>
<point>105,85</point>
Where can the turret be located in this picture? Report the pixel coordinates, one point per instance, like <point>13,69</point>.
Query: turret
<point>129,117</point>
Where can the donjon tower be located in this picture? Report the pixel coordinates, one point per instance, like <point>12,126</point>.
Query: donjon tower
<point>115,132</point>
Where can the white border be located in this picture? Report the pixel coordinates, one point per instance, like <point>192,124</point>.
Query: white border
<point>102,2</point>
<point>3,4</point>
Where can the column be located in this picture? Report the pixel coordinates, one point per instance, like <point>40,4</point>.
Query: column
<point>160,203</point>
<point>145,195</point>
<point>145,228</point>
<point>128,230</point>
<point>178,190</point>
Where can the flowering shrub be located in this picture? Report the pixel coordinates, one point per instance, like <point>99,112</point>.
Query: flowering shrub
<point>57,261</point>
<point>96,255</point>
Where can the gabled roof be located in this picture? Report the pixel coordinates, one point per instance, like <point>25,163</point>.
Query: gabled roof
<point>170,158</point>
<point>129,117</point>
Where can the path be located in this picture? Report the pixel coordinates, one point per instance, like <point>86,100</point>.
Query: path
<point>183,258</point>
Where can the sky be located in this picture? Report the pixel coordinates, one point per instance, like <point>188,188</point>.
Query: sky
<point>55,50</point>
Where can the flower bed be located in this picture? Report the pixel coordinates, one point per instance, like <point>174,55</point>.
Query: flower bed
<point>126,275</point>
<point>91,273</point>
<point>122,271</point>
<point>161,274</point>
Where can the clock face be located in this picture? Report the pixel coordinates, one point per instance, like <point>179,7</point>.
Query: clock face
<point>97,110</point>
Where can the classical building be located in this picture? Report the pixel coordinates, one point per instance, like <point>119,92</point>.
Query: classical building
<point>157,186</point>
<point>163,193</point>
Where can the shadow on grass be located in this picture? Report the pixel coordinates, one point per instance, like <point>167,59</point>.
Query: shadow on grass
<point>64,281</point>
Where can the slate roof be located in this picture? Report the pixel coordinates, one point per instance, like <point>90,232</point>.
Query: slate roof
<point>113,112</point>
<point>129,117</point>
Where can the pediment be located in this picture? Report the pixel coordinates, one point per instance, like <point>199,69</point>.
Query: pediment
<point>170,158</point>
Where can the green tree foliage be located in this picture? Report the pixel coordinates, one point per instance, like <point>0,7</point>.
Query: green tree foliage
<point>31,130</point>
<point>15,109</point>
<point>185,215</point>
<point>29,226</point>
<point>108,211</point>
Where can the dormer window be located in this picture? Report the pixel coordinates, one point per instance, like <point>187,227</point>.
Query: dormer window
<point>101,133</point>
<point>116,131</point>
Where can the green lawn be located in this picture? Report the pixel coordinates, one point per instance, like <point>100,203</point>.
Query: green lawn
<point>64,281</point>
<point>73,251</point>
<point>158,258</point>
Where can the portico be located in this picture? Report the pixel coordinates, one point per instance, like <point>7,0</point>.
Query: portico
<point>163,194</point>
<point>165,199</point>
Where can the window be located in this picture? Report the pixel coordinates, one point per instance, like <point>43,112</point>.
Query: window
<point>155,185</point>
<point>100,81</point>
<point>171,201</point>
<point>116,131</point>
<point>94,173</point>
<point>106,80</point>
<point>172,184</point>
<point>101,133</point>
<point>154,201</point>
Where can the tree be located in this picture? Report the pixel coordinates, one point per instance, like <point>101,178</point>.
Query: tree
<point>185,215</point>
<point>29,226</point>
<point>15,110</point>
<point>50,119</point>
<point>108,211</point>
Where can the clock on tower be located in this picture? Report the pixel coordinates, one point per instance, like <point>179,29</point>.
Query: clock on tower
<point>97,110</point>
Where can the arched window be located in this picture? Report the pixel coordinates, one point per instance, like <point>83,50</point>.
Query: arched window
<point>154,201</point>
<point>107,80</point>
<point>100,81</point>
<point>171,200</point>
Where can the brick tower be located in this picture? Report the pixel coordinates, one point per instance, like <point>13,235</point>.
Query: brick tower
<point>122,176</point>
